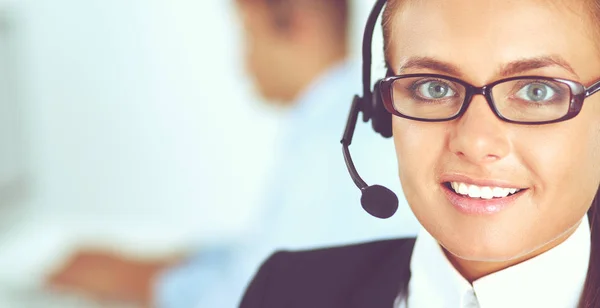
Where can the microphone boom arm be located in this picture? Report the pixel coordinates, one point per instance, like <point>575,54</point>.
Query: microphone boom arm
<point>377,200</point>
<point>347,141</point>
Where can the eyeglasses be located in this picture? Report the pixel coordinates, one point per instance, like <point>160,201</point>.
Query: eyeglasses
<point>522,100</point>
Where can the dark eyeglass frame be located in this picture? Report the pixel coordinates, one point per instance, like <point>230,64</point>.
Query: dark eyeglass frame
<point>578,95</point>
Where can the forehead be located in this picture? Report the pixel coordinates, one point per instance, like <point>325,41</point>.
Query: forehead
<point>479,36</point>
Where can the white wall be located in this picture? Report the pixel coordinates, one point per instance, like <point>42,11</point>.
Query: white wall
<point>130,108</point>
<point>136,137</point>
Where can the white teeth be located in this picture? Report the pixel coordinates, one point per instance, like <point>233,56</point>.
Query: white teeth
<point>500,192</point>
<point>474,191</point>
<point>484,192</point>
<point>463,189</point>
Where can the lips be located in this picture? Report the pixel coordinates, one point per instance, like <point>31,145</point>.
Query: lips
<point>480,197</point>
<point>483,192</point>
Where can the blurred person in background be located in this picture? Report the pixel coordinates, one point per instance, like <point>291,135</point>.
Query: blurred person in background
<point>297,53</point>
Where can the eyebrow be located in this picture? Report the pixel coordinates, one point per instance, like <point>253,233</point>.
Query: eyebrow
<point>510,69</point>
<point>431,64</point>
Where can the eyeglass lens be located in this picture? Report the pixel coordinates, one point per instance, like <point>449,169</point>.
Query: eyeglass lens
<point>524,100</point>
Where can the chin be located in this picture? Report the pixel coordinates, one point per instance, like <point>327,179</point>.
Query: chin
<point>274,98</point>
<point>489,255</point>
<point>486,249</point>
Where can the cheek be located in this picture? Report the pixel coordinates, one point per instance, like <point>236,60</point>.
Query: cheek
<point>419,149</point>
<point>250,61</point>
<point>564,167</point>
<point>250,55</point>
<point>258,65</point>
<point>270,60</point>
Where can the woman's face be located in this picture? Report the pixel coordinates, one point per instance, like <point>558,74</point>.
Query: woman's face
<point>556,165</point>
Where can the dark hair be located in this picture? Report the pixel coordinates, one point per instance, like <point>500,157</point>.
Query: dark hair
<point>336,12</point>
<point>590,297</point>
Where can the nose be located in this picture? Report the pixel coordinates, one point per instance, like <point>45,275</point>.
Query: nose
<point>479,137</point>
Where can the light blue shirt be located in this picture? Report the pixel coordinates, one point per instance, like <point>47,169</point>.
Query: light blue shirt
<point>311,200</point>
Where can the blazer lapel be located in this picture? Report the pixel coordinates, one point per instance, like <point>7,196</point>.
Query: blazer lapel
<point>384,281</point>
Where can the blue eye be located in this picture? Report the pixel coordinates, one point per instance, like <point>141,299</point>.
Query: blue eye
<point>536,92</point>
<point>434,90</point>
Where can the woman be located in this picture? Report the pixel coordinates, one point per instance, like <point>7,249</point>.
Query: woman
<point>497,136</point>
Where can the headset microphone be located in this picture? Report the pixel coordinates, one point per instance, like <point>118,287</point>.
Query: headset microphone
<point>377,200</point>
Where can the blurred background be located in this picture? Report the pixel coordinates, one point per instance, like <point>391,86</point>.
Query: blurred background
<point>119,130</point>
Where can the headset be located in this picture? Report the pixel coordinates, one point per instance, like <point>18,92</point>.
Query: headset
<point>377,200</point>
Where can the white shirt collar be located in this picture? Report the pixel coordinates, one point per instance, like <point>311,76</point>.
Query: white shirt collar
<point>553,279</point>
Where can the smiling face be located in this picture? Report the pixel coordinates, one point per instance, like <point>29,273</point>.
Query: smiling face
<point>556,166</point>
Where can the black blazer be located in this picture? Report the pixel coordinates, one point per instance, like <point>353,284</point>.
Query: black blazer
<point>367,275</point>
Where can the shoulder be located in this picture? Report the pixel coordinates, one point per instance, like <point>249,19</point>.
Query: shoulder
<point>322,275</point>
<point>340,256</point>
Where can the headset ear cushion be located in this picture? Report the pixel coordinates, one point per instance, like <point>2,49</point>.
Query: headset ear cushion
<point>381,119</point>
